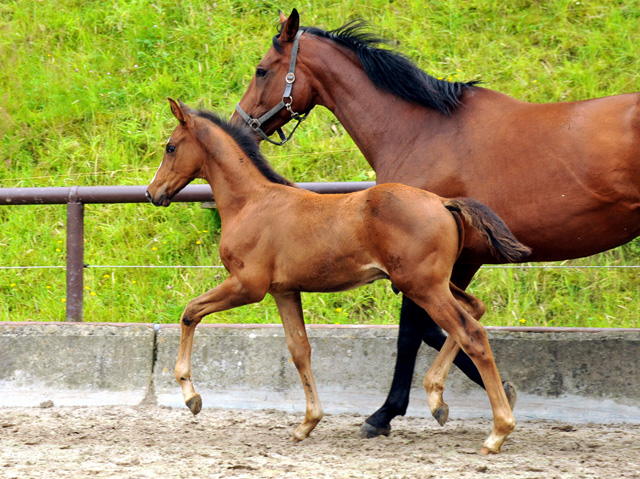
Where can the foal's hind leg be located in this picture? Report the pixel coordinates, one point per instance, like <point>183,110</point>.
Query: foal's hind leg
<point>290,309</point>
<point>435,378</point>
<point>472,338</point>
<point>228,294</point>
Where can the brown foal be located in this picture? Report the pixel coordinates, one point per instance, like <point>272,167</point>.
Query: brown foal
<point>282,240</point>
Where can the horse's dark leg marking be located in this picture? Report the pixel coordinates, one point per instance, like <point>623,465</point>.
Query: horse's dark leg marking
<point>413,324</point>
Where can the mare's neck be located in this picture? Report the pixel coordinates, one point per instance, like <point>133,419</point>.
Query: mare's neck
<point>377,121</point>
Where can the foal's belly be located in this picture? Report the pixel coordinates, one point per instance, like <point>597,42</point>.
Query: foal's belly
<point>328,278</point>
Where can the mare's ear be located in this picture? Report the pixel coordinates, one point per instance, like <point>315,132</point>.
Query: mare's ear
<point>289,26</point>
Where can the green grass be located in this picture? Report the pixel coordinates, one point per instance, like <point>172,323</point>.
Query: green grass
<point>82,102</point>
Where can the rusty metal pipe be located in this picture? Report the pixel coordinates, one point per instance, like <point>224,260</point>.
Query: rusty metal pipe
<point>135,194</point>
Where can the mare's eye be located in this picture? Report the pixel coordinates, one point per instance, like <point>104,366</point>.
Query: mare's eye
<point>171,149</point>
<point>261,72</point>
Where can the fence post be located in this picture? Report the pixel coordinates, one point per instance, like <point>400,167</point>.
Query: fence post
<point>75,256</point>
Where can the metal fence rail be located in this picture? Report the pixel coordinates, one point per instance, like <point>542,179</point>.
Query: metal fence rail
<point>75,197</point>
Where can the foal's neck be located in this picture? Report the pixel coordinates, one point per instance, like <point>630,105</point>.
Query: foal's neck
<point>235,181</point>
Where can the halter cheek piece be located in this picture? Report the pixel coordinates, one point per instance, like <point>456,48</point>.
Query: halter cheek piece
<point>287,100</point>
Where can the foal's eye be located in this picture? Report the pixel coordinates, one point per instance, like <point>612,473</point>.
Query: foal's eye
<point>171,149</point>
<point>261,72</point>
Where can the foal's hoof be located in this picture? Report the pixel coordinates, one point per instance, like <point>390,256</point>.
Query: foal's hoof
<point>441,414</point>
<point>486,451</point>
<point>368,431</point>
<point>194,404</point>
<point>512,394</point>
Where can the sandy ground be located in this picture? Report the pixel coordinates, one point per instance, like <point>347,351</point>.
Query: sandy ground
<point>158,442</point>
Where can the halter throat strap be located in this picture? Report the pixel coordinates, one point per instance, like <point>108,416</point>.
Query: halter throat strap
<point>287,100</point>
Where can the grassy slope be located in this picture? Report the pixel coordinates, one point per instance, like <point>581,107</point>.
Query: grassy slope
<point>82,93</point>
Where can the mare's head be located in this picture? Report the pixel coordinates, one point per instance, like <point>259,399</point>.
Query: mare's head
<point>284,86</point>
<point>183,160</point>
<point>279,90</point>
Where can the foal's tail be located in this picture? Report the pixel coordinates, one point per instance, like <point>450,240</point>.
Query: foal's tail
<point>503,244</point>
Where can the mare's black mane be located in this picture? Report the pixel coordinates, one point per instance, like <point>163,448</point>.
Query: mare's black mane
<point>245,139</point>
<point>392,71</point>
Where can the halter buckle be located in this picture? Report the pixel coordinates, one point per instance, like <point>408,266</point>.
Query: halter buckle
<point>290,78</point>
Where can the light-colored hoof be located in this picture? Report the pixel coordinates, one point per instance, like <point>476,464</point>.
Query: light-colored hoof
<point>441,414</point>
<point>368,431</point>
<point>486,451</point>
<point>299,435</point>
<point>512,394</point>
<point>194,403</point>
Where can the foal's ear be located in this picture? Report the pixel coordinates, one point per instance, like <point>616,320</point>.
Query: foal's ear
<point>177,111</point>
<point>181,112</point>
<point>289,26</point>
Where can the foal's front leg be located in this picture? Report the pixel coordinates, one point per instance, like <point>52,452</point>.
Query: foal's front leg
<point>290,309</point>
<point>228,294</point>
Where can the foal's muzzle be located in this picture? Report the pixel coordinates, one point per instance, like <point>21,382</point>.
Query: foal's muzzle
<point>161,200</point>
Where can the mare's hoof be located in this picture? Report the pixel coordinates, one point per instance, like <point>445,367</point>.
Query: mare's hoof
<point>195,404</point>
<point>367,431</point>
<point>512,394</point>
<point>441,414</point>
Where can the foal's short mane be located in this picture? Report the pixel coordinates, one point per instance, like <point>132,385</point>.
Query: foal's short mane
<point>246,141</point>
<point>391,70</point>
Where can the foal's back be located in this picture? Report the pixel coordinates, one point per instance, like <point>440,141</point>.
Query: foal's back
<point>337,242</point>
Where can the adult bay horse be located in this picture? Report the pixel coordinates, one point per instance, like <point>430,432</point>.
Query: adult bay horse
<point>282,240</point>
<point>565,177</point>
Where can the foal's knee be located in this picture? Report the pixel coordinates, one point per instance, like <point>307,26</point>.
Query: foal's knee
<point>300,353</point>
<point>190,316</point>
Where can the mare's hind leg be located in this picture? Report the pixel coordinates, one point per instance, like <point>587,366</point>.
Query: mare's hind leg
<point>290,309</point>
<point>472,338</point>
<point>228,294</point>
<point>435,378</point>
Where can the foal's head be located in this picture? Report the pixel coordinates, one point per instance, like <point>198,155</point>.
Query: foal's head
<point>203,138</point>
<point>183,160</point>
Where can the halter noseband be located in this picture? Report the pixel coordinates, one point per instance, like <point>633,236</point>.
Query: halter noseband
<point>287,100</point>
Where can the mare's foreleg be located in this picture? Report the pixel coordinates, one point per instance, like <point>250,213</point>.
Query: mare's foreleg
<point>229,294</point>
<point>290,309</point>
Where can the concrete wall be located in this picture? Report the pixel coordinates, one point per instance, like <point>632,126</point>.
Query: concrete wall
<point>571,375</point>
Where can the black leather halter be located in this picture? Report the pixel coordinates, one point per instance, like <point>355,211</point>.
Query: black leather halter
<point>287,100</point>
